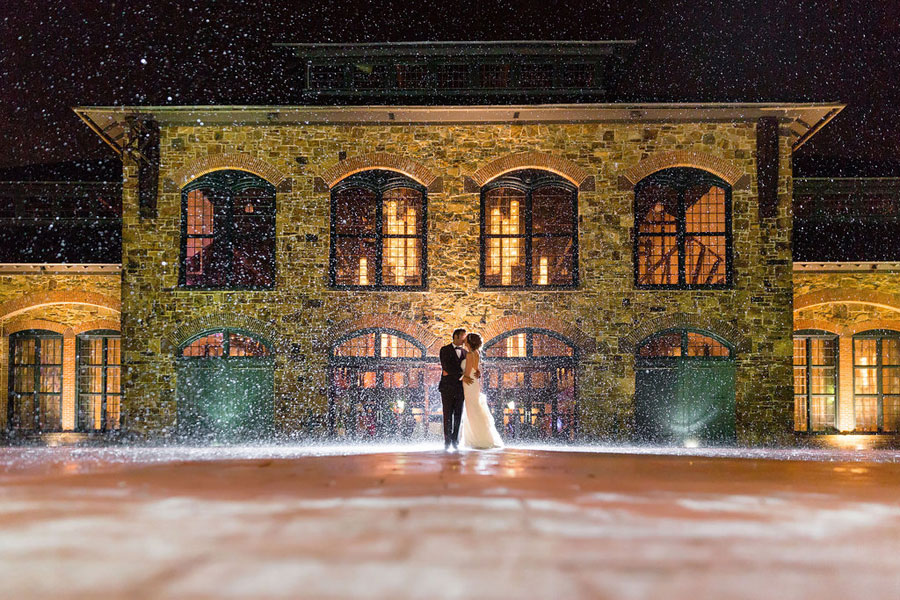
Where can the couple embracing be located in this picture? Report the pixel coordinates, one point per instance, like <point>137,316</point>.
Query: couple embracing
<point>460,387</point>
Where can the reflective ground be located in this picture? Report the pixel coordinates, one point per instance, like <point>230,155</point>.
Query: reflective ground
<point>413,522</point>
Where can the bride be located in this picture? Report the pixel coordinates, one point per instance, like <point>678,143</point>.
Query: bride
<point>478,429</point>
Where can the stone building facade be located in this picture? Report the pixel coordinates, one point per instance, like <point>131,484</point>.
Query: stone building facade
<point>72,307</point>
<point>453,154</point>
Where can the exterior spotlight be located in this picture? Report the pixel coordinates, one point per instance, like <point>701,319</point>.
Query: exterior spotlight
<point>691,443</point>
<point>511,405</point>
<point>400,405</point>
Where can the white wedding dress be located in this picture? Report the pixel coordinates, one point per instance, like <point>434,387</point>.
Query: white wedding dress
<point>478,430</point>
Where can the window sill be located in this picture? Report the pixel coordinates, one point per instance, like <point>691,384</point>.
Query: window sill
<point>184,288</point>
<point>534,288</point>
<point>369,288</point>
<point>687,288</point>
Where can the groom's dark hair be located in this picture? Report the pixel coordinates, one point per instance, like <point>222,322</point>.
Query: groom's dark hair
<point>456,332</point>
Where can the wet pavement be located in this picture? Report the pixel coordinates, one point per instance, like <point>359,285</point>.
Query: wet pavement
<point>413,522</point>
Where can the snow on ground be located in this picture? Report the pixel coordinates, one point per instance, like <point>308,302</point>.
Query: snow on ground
<point>414,522</point>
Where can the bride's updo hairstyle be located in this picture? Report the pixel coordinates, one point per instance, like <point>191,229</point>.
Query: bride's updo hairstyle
<point>474,341</point>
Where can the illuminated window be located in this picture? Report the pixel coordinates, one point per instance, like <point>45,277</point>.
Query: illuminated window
<point>380,386</point>
<point>815,381</point>
<point>378,232</point>
<point>378,345</point>
<point>683,222</point>
<point>99,381</point>
<point>36,381</point>
<point>876,381</point>
<point>678,343</point>
<point>529,381</point>
<point>529,233</point>
<point>228,235</point>
<point>227,343</point>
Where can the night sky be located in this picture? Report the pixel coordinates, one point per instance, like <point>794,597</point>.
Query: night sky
<point>59,54</point>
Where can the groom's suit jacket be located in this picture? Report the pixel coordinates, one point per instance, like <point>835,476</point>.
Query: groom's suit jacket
<point>452,364</point>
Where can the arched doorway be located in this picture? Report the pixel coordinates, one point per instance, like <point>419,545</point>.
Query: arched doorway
<point>382,386</point>
<point>684,389</point>
<point>225,387</point>
<point>529,381</point>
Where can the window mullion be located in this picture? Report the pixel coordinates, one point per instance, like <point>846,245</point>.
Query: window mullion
<point>528,235</point>
<point>103,361</point>
<point>680,232</point>
<point>35,395</point>
<point>231,237</point>
<point>879,420</point>
<point>379,238</point>
<point>809,380</point>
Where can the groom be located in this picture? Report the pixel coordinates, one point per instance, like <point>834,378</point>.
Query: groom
<point>451,387</point>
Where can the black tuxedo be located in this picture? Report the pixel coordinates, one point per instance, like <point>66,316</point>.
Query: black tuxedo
<point>451,389</point>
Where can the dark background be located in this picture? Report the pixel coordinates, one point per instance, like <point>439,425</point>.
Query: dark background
<point>56,55</point>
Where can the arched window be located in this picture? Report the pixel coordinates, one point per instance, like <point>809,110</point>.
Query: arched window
<point>529,381</point>
<point>876,380</point>
<point>683,230</point>
<point>99,359</point>
<point>228,232</point>
<point>226,344</point>
<point>815,380</point>
<point>676,343</point>
<point>35,387</point>
<point>378,232</point>
<point>529,231</point>
<point>380,386</point>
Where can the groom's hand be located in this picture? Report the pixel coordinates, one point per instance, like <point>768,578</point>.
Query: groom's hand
<point>477,374</point>
<point>468,379</point>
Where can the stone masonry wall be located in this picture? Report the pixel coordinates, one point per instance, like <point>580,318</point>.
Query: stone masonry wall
<point>606,308</point>
<point>63,303</point>
<point>846,303</point>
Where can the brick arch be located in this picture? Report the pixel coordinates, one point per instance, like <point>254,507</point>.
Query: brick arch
<point>847,296</point>
<point>731,173</point>
<point>28,302</point>
<point>236,160</point>
<point>24,324</point>
<point>563,167</point>
<point>267,331</point>
<point>728,332</point>
<point>820,324</point>
<point>382,160</point>
<point>113,324</point>
<point>854,328</point>
<point>498,327</point>
<point>418,332</point>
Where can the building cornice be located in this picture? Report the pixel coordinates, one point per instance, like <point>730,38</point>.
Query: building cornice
<point>848,266</point>
<point>60,269</point>
<point>801,120</point>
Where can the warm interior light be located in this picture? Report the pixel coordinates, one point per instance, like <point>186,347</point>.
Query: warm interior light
<point>543,273</point>
<point>363,271</point>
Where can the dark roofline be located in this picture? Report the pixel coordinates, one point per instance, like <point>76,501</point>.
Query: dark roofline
<point>827,186</point>
<point>455,48</point>
<point>103,170</point>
